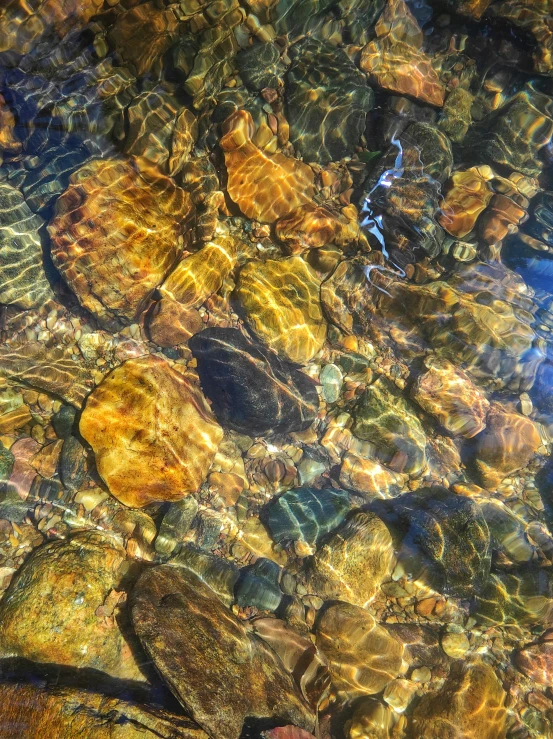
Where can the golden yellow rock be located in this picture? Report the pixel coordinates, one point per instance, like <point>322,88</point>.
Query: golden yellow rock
<point>468,195</point>
<point>447,393</point>
<point>362,656</point>
<point>197,277</point>
<point>369,476</point>
<point>265,187</point>
<point>170,323</point>
<point>23,23</point>
<point>280,300</point>
<point>471,705</point>
<point>312,226</point>
<point>395,60</point>
<point>116,234</point>
<point>8,140</point>
<point>152,432</point>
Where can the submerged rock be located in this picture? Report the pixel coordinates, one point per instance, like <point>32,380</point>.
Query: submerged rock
<point>281,303</point>
<point>65,713</point>
<point>306,514</point>
<point>467,197</point>
<point>508,443</point>
<point>52,611</point>
<point>327,101</point>
<point>443,537</point>
<point>362,657</point>
<point>116,234</point>
<point>152,432</point>
<point>384,418</point>
<point>532,17</point>
<point>352,562</point>
<point>265,187</point>
<point>448,394</point>
<point>23,281</point>
<point>523,597</point>
<point>259,66</point>
<point>252,391</point>
<point>471,703</point>
<point>220,672</point>
<point>395,59</point>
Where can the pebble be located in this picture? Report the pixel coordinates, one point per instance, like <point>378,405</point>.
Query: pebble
<point>455,645</point>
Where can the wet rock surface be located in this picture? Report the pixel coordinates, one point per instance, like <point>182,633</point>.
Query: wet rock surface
<point>260,393</point>
<point>185,628</point>
<point>144,451</point>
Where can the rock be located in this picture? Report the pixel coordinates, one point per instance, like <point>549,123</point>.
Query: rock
<point>471,703</point>
<point>170,323</point>
<point>281,304</point>
<point>24,24</point>
<point>508,443</point>
<point>522,597</point>
<point>352,562</point>
<point>331,379</point>
<point>513,135</point>
<point>448,394</point>
<point>384,418</point>
<point>371,719</point>
<point>152,432</point>
<point>199,276</point>
<point>220,575</point>
<point>161,130</point>
<point>252,391</point>
<point>314,226</point>
<point>368,476</point>
<point>116,234</point>
<point>471,8</point>
<point>456,115</point>
<point>63,421</point>
<point>199,177</point>
<point>175,525</point>
<point>72,466</point>
<point>361,655</point>
<point>51,369</point>
<point>299,656</point>
<point>287,732</point>
<point>258,586</point>
<point>8,140</point>
<point>259,66</point>
<point>23,281</point>
<point>395,59</point>
<point>536,662</point>
<point>208,657</point>
<point>403,193</point>
<point>52,610</point>
<point>327,101</point>
<point>456,319</point>
<point>468,195</point>
<point>508,531</point>
<point>444,539</point>
<point>532,18</point>
<point>306,514</point>
<point>455,644</point>
<point>141,35</point>
<point>265,187</point>
<point>7,461</point>
<point>65,713</point>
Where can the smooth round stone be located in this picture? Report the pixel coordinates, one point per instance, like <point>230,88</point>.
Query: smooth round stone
<point>258,586</point>
<point>371,720</point>
<point>306,514</point>
<point>455,645</point>
<point>421,675</point>
<point>63,421</point>
<point>331,379</point>
<point>362,657</point>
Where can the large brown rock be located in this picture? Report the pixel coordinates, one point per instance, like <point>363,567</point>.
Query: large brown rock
<point>30,712</point>
<point>116,233</point>
<point>362,657</point>
<point>152,432</point>
<point>219,670</point>
<point>50,611</point>
<point>471,705</point>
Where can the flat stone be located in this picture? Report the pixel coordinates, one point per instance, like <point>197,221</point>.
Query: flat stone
<point>219,670</point>
<point>152,432</point>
